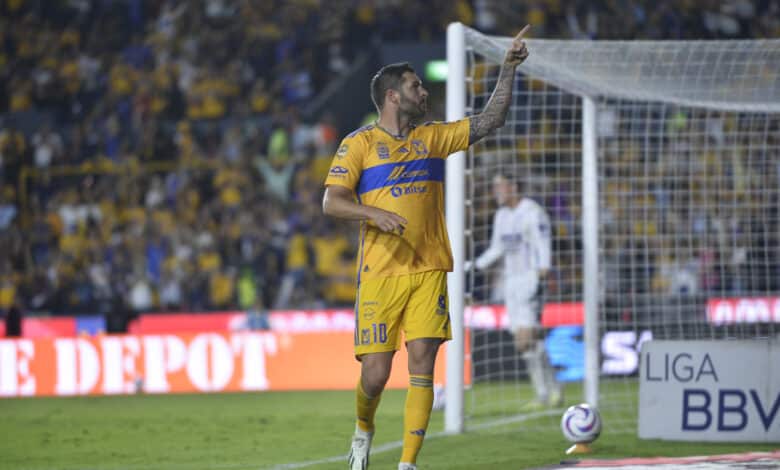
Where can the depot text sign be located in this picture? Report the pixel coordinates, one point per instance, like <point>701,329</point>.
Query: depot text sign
<point>184,363</point>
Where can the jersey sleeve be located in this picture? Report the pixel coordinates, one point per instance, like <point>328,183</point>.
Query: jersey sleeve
<point>495,250</point>
<point>542,236</point>
<point>449,137</point>
<point>347,164</point>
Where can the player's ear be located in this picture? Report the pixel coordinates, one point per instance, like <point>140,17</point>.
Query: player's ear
<point>392,96</point>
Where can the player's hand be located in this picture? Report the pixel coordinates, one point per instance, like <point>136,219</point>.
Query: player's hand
<point>388,221</point>
<point>517,52</point>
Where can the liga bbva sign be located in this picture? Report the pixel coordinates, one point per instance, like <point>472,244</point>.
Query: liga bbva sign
<point>724,390</point>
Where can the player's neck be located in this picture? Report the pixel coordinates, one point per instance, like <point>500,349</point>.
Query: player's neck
<point>396,125</point>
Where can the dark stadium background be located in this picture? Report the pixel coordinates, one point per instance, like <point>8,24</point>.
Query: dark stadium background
<point>168,155</point>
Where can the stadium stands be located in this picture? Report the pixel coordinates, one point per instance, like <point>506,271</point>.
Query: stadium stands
<point>154,156</point>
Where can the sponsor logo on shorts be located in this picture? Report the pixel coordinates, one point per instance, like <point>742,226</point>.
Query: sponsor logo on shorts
<point>365,336</point>
<point>369,313</point>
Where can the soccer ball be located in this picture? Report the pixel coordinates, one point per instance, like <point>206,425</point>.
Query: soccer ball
<point>581,423</point>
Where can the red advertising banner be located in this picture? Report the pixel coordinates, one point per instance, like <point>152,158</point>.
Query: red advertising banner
<point>286,321</point>
<point>187,363</point>
<point>45,327</point>
<point>154,323</point>
<point>729,311</point>
<point>332,320</point>
<point>492,317</point>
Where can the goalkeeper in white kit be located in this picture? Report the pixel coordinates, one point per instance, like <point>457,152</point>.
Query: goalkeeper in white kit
<point>521,235</point>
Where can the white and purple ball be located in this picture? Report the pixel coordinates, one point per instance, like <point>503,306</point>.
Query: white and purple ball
<point>581,423</point>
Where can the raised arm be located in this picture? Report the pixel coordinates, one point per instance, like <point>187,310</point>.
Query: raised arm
<point>494,251</point>
<point>494,114</point>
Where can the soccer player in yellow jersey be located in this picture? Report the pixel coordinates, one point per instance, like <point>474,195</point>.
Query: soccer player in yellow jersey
<point>390,176</point>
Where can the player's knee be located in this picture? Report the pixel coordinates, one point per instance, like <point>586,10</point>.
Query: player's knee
<point>524,339</point>
<point>422,355</point>
<point>522,346</point>
<point>375,376</point>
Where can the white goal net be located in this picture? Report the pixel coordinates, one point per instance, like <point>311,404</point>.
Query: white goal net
<point>679,218</point>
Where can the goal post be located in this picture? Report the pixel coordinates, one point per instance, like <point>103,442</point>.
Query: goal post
<point>456,164</point>
<point>658,163</point>
<point>590,248</point>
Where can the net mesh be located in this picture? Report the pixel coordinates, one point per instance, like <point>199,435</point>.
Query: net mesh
<point>688,176</point>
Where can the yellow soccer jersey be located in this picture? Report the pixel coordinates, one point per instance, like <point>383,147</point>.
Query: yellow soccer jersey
<point>404,176</point>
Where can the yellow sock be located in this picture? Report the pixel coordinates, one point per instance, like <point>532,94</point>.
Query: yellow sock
<point>366,408</point>
<point>419,401</point>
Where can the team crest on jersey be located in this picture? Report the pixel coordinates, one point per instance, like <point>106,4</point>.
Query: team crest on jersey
<point>382,151</point>
<point>342,151</point>
<point>419,147</point>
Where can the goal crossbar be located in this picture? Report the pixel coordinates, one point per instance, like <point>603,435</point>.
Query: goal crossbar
<point>741,75</point>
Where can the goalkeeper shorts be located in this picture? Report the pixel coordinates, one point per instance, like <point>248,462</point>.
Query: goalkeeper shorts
<point>416,304</point>
<point>522,299</point>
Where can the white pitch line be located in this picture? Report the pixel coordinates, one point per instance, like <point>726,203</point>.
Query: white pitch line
<point>376,450</point>
<point>398,444</point>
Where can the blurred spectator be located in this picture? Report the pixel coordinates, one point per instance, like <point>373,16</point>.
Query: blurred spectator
<point>277,175</point>
<point>13,322</point>
<point>48,147</point>
<point>141,296</point>
<point>296,268</point>
<point>257,317</point>
<point>13,146</point>
<point>8,209</point>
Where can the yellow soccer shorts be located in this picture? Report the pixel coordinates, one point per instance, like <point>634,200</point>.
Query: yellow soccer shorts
<point>416,304</point>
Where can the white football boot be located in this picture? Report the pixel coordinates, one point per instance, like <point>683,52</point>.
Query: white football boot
<point>359,450</point>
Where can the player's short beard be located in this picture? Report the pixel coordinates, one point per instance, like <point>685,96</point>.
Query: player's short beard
<point>410,108</point>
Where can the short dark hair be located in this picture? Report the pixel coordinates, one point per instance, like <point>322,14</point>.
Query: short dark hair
<point>513,179</point>
<point>388,77</point>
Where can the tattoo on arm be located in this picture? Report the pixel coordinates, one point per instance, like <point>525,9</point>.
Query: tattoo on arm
<point>494,114</point>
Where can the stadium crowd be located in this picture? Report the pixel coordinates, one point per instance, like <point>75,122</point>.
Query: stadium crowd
<point>154,155</point>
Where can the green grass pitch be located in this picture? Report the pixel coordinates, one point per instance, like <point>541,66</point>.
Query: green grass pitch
<point>266,430</point>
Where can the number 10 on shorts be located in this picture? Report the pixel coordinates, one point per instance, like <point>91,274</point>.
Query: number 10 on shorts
<point>379,334</point>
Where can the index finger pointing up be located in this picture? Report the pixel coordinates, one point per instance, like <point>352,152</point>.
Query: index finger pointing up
<point>519,36</point>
